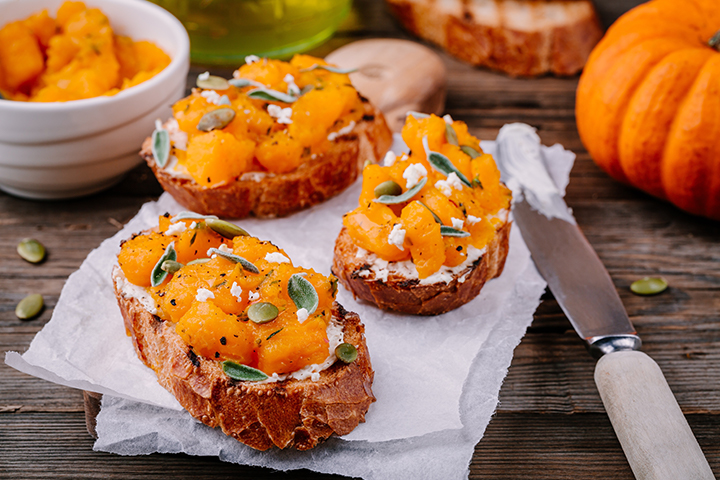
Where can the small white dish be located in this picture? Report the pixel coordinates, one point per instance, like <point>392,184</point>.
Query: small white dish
<point>68,149</point>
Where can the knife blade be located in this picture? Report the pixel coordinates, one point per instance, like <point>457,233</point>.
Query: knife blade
<point>649,424</point>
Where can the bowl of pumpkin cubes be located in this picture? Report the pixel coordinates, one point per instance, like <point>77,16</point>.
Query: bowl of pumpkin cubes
<point>80,85</point>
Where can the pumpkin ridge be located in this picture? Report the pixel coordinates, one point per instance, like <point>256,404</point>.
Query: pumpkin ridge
<point>651,111</point>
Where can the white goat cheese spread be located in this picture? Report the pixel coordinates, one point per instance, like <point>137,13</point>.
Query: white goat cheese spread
<point>343,131</point>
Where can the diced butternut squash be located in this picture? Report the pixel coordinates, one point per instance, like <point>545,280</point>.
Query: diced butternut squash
<point>20,55</point>
<point>216,158</point>
<point>370,228</point>
<point>423,234</point>
<point>294,347</point>
<point>139,255</point>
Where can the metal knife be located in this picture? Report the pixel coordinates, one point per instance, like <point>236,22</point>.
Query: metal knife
<point>652,430</point>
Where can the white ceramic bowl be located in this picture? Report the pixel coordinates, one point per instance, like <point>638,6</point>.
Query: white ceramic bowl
<point>69,149</point>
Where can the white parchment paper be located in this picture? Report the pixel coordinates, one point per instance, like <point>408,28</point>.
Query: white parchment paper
<point>437,379</point>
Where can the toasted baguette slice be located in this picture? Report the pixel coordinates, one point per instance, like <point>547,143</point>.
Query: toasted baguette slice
<point>265,194</point>
<point>518,37</point>
<point>290,413</point>
<point>402,294</point>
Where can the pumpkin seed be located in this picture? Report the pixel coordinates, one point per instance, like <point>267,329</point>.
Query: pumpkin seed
<point>226,229</point>
<point>198,261</point>
<point>388,188</point>
<point>302,293</point>
<point>649,286</point>
<point>246,265</point>
<point>394,199</point>
<point>31,250</point>
<point>262,312</point>
<point>443,164</point>
<point>343,71</point>
<point>238,371</point>
<point>437,219</point>
<point>452,232</point>
<point>450,135</point>
<point>244,82</point>
<point>470,151</point>
<point>215,120</point>
<point>333,286</point>
<point>212,82</point>
<point>29,306</point>
<point>159,275</point>
<point>161,146</point>
<point>346,352</point>
<point>270,95</point>
<point>171,266</point>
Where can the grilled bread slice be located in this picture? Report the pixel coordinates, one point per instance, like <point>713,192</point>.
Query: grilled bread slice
<point>286,414</point>
<point>265,194</point>
<point>518,37</point>
<point>398,292</point>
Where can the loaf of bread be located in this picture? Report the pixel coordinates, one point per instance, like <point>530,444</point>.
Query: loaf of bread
<point>518,37</point>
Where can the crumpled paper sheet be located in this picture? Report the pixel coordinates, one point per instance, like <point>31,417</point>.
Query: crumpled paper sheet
<point>437,379</point>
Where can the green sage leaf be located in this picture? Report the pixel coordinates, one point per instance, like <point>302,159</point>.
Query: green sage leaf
<point>302,293</point>
<point>395,199</point>
<point>343,71</point>
<point>245,82</point>
<point>191,216</point>
<point>470,151</point>
<point>246,265</point>
<point>271,95</point>
<point>158,275</point>
<point>443,164</point>
<point>161,146</point>
<point>238,371</point>
<point>452,232</point>
<point>450,135</point>
<point>437,219</point>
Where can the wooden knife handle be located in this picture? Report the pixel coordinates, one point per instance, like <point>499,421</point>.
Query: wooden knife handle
<point>652,430</point>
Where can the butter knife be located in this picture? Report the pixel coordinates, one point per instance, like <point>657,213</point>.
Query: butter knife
<point>649,424</point>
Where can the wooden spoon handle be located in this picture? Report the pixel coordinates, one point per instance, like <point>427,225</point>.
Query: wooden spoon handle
<point>396,76</point>
<point>652,430</point>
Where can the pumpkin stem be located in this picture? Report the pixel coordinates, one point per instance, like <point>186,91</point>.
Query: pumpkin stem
<point>714,42</point>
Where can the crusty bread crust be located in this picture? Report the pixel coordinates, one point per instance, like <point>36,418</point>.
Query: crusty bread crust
<point>408,296</point>
<point>277,195</point>
<point>557,37</point>
<point>291,413</point>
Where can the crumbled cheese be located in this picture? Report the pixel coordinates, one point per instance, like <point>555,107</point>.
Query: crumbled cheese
<point>204,76</point>
<point>413,174</point>
<point>176,228</point>
<point>397,236</point>
<point>251,59</point>
<point>313,156</point>
<point>453,181</point>
<point>472,220</point>
<point>276,257</point>
<point>361,252</point>
<point>293,89</point>
<point>224,248</point>
<point>253,296</point>
<point>444,188</point>
<point>215,98</point>
<point>457,223</point>
<point>343,131</point>
<point>281,114</point>
<point>448,119</point>
<point>203,295</point>
<point>178,138</point>
<point>236,290</point>
<point>193,225</point>
<point>302,314</point>
<point>158,124</point>
<point>364,273</point>
<point>389,159</point>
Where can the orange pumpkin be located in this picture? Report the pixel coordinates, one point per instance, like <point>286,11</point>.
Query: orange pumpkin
<point>648,102</point>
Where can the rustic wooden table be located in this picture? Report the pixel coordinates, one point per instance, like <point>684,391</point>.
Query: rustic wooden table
<point>550,423</point>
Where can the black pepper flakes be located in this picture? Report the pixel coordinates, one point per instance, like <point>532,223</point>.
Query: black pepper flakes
<point>223,340</point>
<point>173,303</point>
